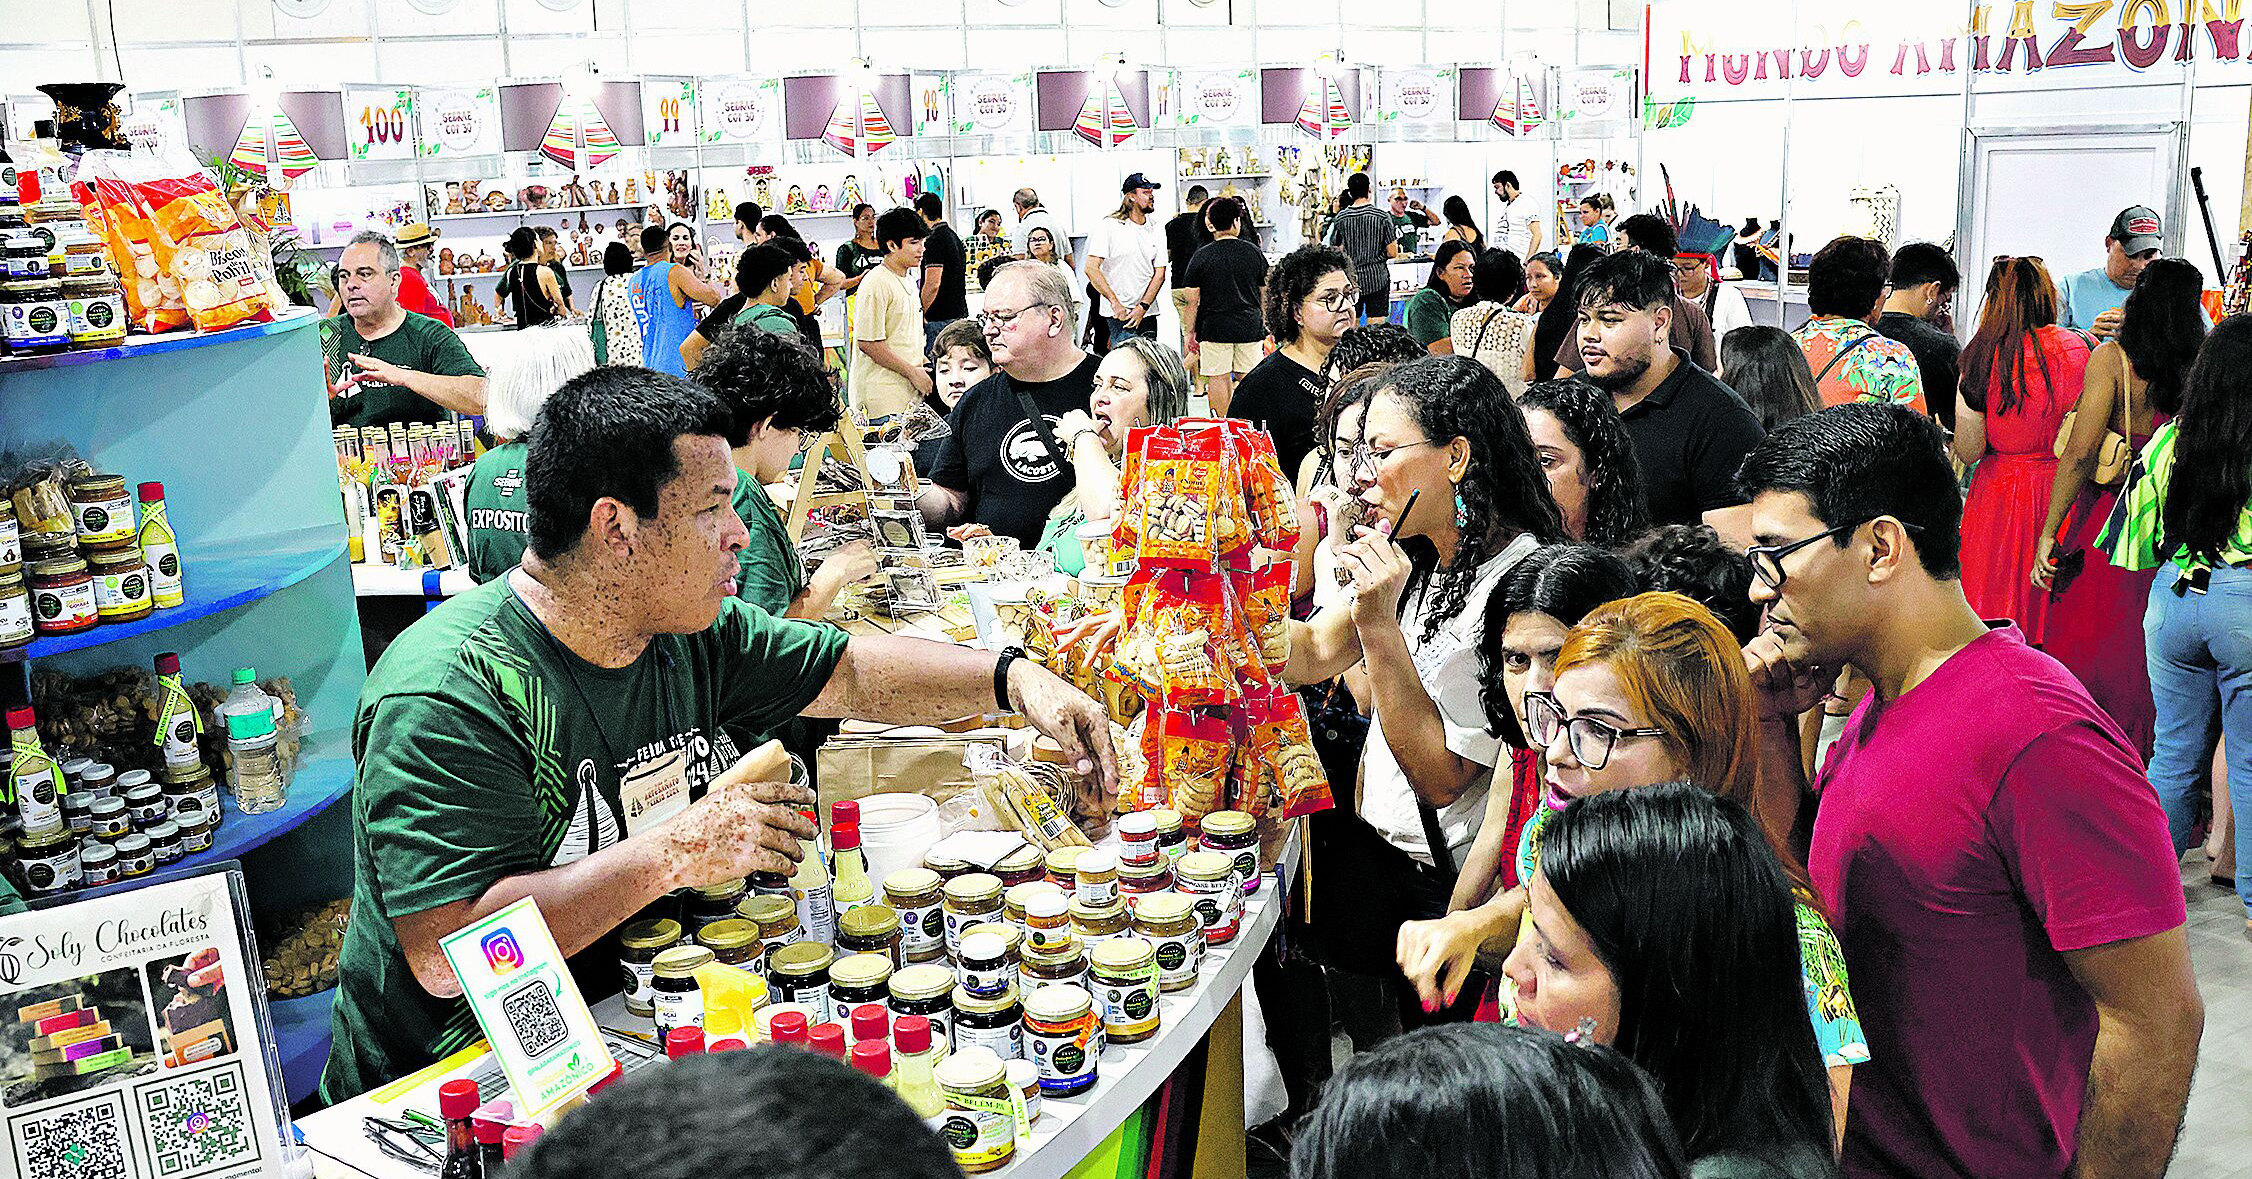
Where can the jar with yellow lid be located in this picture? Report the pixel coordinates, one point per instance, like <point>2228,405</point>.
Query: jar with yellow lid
<point>925,990</point>
<point>1063,1037</point>
<point>677,999</point>
<point>947,867</point>
<point>1013,901</point>
<point>707,903</point>
<point>1063,867</point>
<point>734,941</point>
<point>639,943</point>
<point>1021,866</point>
<point>1235,835</point>
<point>1208,880</point>
<point>1139,881</point>
<point>994,1022</point>
<point>981,1122</point>
<point>858,979</point>
<point>1169,922</point>
<point>872,929</point>
<point>16,628</point>
<point>801,975</point>
<point>1098,923</point>
<point>1124,971</point>
<point>970,900</point>
<point>777,921</point>
<point>1060,964</point>
<point>914,894</point>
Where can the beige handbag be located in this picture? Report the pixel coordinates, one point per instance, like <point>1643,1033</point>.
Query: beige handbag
<point>2113,453</point>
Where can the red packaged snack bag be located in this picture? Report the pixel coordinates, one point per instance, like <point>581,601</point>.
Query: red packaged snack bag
<point>1281,738</point>
<point>1186,510</point>
<point>1182,640</point>
<point>200,244</point>
<point>1266,609</point>
<point>1197,755</point>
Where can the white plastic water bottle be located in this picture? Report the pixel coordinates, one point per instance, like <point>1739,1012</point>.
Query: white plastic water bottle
<point>253,746</point>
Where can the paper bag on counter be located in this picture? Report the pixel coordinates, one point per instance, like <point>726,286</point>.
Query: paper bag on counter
<point>918,760</point>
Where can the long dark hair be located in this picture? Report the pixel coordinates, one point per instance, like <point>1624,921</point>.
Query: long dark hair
<point>1448,251</point>
<point>1685,903</point>
<point>1556,319</point>
<point>2161,327</point>
<point>2021,299</point>
<point>2212,477</point>
<point>1766,367</point>
<point>1563,581</point>
<point>1617,511</point>
<point>1497,277</point>
<point>1457,212</point>
<point>1489,1100</point>
<point>1503,491</point>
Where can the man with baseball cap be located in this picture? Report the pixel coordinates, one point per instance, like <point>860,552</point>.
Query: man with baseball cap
<point>1126,262</point>
<point>2090,301</point>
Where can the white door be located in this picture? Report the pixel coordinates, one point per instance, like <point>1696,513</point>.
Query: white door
<point>2051,194</point>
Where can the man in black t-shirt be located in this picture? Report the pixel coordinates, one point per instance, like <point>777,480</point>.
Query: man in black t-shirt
<point>945,270</point>
<point>723,316</point>
<point>1185,234</point>
<point>1689,430</point>
<point>1001,469</point>
<point>1220,305</point>
<point>1924,279</point>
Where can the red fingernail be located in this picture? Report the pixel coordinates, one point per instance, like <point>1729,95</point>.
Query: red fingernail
<point>1429,1006</point>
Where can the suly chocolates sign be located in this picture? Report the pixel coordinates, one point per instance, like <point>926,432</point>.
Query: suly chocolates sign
<point>1723,49</point>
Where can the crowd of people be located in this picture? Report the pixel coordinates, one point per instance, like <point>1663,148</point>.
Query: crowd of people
<point>1801,813</point>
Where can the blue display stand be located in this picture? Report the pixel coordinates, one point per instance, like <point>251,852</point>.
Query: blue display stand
<point>235,425</point>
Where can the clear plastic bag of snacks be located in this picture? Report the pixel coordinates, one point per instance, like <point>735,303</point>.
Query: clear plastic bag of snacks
<point>200,245</point>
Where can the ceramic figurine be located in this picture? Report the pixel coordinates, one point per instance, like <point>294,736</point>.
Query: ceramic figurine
<point>446,260</point>
<point>848,197</point>
<point>763,193</point>
<point>1220,162</point>
<point>796,202</point>
<point>633,191</point>
<point>821,199</point>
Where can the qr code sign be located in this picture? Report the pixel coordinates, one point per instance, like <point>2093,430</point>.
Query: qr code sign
<point>197,1124</point>
<point>534,1017</point>
<point>82,1141</point>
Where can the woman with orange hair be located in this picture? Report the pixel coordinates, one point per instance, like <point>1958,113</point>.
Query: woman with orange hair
<point>2021,375</point>
<point>1652,689</point>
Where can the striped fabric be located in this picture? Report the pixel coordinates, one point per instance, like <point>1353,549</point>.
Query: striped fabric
<point>1363,232</point>
<point>2130,538</point>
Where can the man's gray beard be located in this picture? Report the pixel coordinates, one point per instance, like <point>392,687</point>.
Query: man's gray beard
<point>1625,376</point>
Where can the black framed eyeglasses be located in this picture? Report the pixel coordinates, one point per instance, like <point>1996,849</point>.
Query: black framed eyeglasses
<point>1591,740</point>
<point>1344,300</point>
<point>1767,559</point>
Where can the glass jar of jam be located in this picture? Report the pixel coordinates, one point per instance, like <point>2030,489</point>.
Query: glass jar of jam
<point>639,943</point>
<point>925,990</point>
<point>1171,840</point>
<point>144,803</point>
<point>872,929</point>
<point>78,811</point>
<point>1014,901</point>
<point>1098,923</point>
<point>801,975</point>
<point>16,627</point>
<point>734,941</point>
<point>1208,880</point>
<point>1063,867</point>
<point>21,255</point>
<point>1137,838</point>
<point>1169,923</point>
<point>97,863</point>
<point>707,903</point>
<point>970,899</point>
<point>1095,877</point>
<point>134,855</point>
<point>1047,920</point>
<point>947,867</point>
<point>777,921</point>
<point>913,893</point>
<point>164,841</point>
<point>196,834</point>
<point>11,536</point>
<point>62,595</point>
<point>102,510</point>
<point>991,1022</point>
<point>110,821</point>
<point>856,980</point>
<point>1020,866</point>
<point>96,306</point>
<point>1063,1037</point>
<point>121,584</point>
<point>676,1000</point>
<point>1124,970</point>
<point>49,860</point>
<point>1235,835</point>
<point>1137,881</point>
<point>34,317</point>
<point>986,966</point>
<point>769,884</point>
<point>979,1123</point>
<point>1063,963</point>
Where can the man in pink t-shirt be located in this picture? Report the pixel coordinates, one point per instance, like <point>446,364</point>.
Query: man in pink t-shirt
<point>1997,866</point>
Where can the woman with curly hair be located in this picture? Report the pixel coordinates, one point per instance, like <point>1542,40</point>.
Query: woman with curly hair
<point>1438,455</point>
<point>1310,302</point>
<point>1589,460</point>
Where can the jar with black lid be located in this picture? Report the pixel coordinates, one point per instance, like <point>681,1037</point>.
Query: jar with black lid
<point>926,990</point>
<point>872,929</point>
<point>21,255</point>
<point>992,1022</point>
<point>639,943</point>
<point>859,979</point>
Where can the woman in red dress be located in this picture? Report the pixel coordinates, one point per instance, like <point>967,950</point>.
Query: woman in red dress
<point>2095,607</point>
<point>2021,375</point>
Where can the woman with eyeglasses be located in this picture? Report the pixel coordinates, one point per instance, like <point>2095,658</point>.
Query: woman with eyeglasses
<point>1140,383</point>
<point>1662,925</point>
<point>2021,375</point>
<point>1041,246</point>
<point>1454,499</point>
<point>1310,302</point>
<point>1647,690</point>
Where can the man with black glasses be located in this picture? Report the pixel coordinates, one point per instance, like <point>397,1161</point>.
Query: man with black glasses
<point>1997,867</point>
<point>1004,468</point>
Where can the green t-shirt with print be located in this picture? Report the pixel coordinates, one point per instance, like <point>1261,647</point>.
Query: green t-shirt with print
<point>497,518</point>
<point>488,750</point>
<point>769,573</point>
<point>767,318</point>
<point>420,344</point>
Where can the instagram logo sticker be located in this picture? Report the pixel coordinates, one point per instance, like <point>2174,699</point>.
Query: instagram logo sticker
<point>502,953</point>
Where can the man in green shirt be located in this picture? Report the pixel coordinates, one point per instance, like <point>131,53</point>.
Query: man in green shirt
<point>493,500</point>
<point>766,276</point>
<point>387,364</point>
<point>561,732</point>
<point>1411,218</point>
